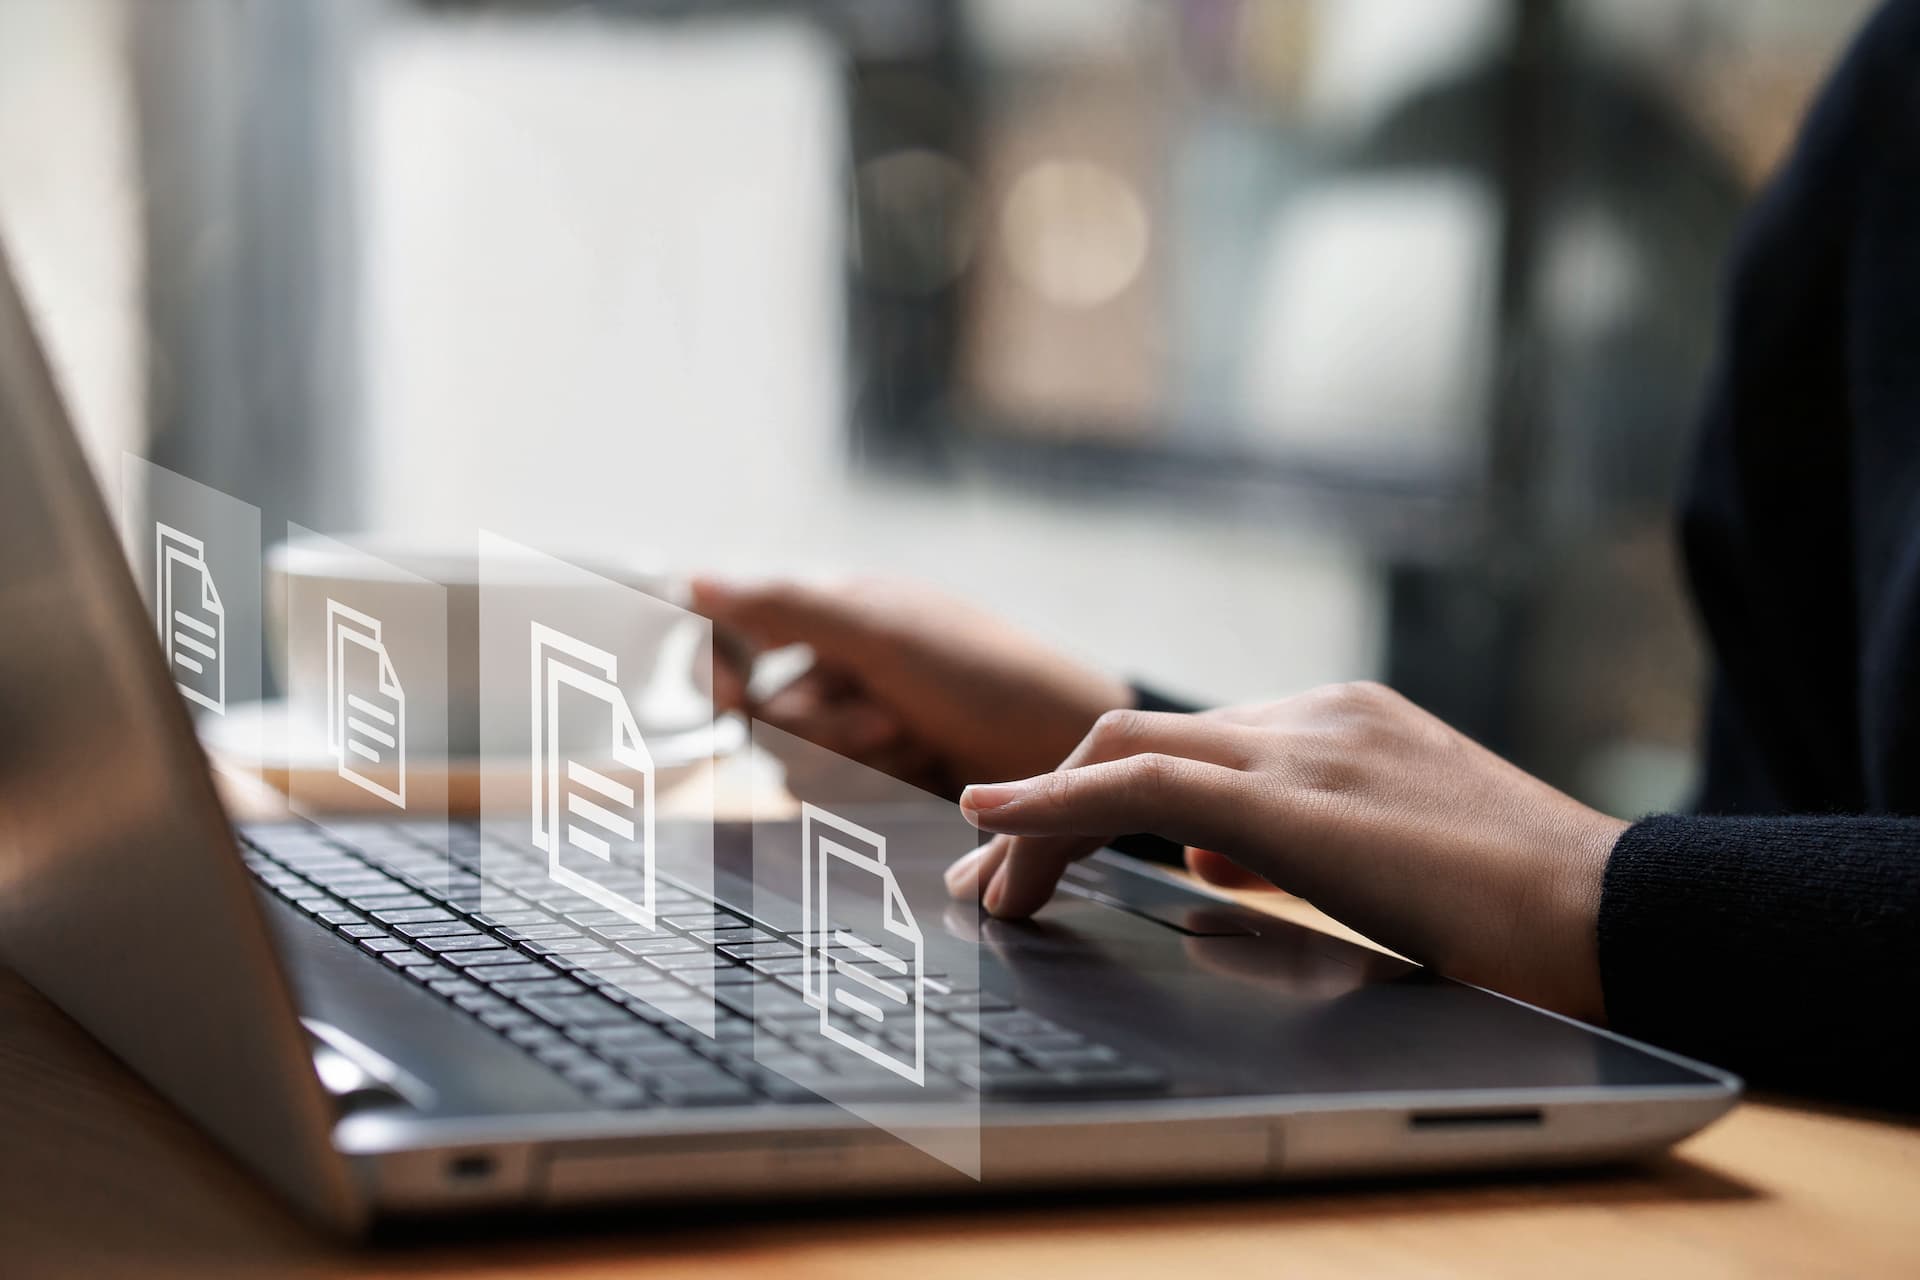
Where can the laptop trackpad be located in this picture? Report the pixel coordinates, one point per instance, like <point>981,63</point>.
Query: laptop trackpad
<point>1109,881</point>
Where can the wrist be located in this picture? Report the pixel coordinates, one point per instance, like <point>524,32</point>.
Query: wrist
<point>1572,916</point>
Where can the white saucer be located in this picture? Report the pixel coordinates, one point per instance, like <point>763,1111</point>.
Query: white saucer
<point>289,753</point>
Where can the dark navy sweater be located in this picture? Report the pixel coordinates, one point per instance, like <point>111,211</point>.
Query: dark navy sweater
<point>1776,931</point>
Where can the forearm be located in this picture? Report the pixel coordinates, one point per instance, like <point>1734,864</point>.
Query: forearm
<point>1787,949</point>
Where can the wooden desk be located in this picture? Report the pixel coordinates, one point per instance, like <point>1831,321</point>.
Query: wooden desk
<point>100,1178</point>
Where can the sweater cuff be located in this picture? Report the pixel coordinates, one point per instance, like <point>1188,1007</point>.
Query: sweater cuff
<point>1787,949</point>
<point>1146,698</point>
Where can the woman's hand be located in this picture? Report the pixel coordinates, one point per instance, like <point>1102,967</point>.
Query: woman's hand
<point>905,680</point>
<point>1351,797</point>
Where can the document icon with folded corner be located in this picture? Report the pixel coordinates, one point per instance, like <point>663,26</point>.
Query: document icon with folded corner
<point>862,962</point>
<point>193,622</point>
<point>366,707</point>
<point>596,829</point>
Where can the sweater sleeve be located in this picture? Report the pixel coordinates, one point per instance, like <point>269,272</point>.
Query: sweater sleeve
<point>1786,949</point>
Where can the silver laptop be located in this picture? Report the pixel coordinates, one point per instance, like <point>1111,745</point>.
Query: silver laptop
<point>341,1013</point>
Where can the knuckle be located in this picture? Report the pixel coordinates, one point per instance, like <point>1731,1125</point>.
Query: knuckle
<point>1352,701</point>
<point>1059,787</point>
<point>1155,772</point>
<point>1118,727</point>
<point>1355,693</point>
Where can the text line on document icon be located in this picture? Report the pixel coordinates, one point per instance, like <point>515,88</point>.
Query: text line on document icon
<point>366,707</point>
<point>592,777</point>
<point>862,960</point>
<point>193,622</point>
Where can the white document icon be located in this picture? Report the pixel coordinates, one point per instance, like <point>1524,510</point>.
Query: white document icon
<point>862,962</point>
<point>593,828</point>
<point>366,707</point>
<point>193,622</point>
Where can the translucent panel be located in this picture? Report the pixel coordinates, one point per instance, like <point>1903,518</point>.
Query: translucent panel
<point>865,946</point>
<point>363,658</point>
<point>195,553</point>
<point>598,798</point>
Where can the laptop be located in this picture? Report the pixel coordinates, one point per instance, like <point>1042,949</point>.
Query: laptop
<point>354,1014</point>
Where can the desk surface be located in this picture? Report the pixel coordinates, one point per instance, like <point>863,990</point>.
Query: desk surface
<point>98,1177</point>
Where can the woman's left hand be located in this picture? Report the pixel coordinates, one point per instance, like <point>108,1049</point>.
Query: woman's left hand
<point>1350,796</point>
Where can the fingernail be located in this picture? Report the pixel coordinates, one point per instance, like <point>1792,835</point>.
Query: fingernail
<point>964,875</point>
<point>991,795</point>
<point>996,890</point>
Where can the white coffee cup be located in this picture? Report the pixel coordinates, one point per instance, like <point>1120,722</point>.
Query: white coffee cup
<point>421,594</point>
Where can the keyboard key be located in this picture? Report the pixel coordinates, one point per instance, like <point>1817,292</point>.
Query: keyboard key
<point>538,932</point>
<point>535,1035</point>
<point>579,966</point>
<point>687,920</point>
<point>643,1036</point>
<point>383,943</point>
<point>576,1011</point>
<point>480,959</point>
<point>622,932</point>
<point>337,918</point>
<point>406,959</point>
<point>591,1073</point>
<point>1036,1046</point>
<point>608,962</point>
<point>472,940</point>
<point>413,915</point>
<point>1009,1026</point>
<point>1085,1057</point>
<point>387,901</point>
<point>726,975</point>
<point>762,951</point>
<point>539,985</point>
<point>439,929</point>
<point>737,936</point>
<point>654,945</point>
<point>504,919</point>
<point>367,883</point>
<point>965,1002</point>
<point>564,947</point>
<point>675,1013</point>
<point>587,919</point>
<point>702,959</point>
<point>618,1093</point>
<point>501,976</point>
<point>564,1055</point>
<point>717,1090</point>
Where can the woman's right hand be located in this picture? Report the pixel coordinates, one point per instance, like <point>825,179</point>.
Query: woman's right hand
<point>905,680</point>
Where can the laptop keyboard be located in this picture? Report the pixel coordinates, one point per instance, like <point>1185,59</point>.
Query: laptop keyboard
<point>602,1001</point>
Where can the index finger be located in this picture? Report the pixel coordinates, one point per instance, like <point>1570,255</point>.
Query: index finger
<point>1041,859</point>
<point>1068,814</point>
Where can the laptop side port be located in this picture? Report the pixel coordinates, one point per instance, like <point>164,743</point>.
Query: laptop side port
<point>1498,1118</point>
<point>475,1166</point>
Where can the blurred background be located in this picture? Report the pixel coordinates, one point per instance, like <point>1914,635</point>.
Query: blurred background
<point>1237,345</point>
